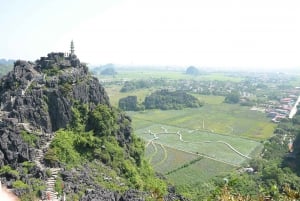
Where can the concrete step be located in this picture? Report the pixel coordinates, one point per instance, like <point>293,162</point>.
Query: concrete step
<point>39,156</point>
<point>50,183</point>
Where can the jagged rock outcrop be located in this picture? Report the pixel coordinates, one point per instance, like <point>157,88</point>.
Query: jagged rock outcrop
<point>95,192</point>
<point>36,99</point>
<point>41,93</point>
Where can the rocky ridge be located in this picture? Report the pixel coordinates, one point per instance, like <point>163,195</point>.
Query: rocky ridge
<point>36,99</point>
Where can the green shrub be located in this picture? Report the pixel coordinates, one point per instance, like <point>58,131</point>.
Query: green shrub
<point>28,197</point>
<point>65,88</point>
<point>38,186</point>
<point>6,169</point>
<point>20,185</point>
<point>54,70</point>
<point>102,120</point>
<point>27,166</point>
<point>51,157</point>
<point>63,147</point>
<point>59,186</point>
<point>29,138</point>
<point>48,173</point>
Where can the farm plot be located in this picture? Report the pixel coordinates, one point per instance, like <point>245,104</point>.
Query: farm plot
<point>219,118</point>
<point>222,148</point>
<point>171,160</point>
<point>201,171</point>
<point>226,136</point>
<point>176,162</point>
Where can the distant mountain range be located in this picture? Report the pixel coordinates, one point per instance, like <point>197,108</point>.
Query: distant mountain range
<point>6,66</point>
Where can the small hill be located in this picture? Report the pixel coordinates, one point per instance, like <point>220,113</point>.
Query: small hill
<point>192,71</point>
<point>167,100</point>
<point>107,69</point>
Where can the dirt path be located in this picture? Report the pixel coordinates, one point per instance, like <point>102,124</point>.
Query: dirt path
<point>198,154</point>
<point>165,156</point>
<point>165,132</point>
<point>154,153</point>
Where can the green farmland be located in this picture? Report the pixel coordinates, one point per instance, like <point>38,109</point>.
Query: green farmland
<point>192,146</point>
<point>126,74</point>
<point>227,119</point>
<point>224,136</point>
<point>169,147</point>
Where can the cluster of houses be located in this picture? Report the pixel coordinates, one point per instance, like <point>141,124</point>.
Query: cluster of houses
<point>285,108</point>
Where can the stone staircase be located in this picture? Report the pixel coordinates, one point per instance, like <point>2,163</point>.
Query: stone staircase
<point>50,194</point>
<point>50,183</point>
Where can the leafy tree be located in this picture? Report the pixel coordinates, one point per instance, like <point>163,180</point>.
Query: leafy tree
<point>232,98</point>
<point>62,148</point>
<point>102,120</point>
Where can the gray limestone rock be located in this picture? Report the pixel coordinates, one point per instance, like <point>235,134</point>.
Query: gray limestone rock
<point>36,100</point>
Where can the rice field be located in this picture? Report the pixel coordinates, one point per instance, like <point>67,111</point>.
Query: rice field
<point>201,171</point>
<point>222,148</point>
<point>226,136</point>
<point>223,136</point>
<point>225,119</point>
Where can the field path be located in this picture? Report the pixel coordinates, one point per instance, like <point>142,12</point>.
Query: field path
<point>154,153</point>
<point>232,148</point>
<point>165,156</point>
<point>180,138</point>
<point>198,154</point>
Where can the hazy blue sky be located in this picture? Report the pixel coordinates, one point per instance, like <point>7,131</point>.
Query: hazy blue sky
<point>206,33</point>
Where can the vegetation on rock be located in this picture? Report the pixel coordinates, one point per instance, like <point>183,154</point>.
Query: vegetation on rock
<point>167,100</point>
<point>95,138</point>
<point>55,106</point>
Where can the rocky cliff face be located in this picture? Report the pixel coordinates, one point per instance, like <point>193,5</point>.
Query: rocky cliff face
<point>36,99</point>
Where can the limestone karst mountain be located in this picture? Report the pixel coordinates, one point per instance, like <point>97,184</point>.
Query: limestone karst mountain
<point>44,101</point>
